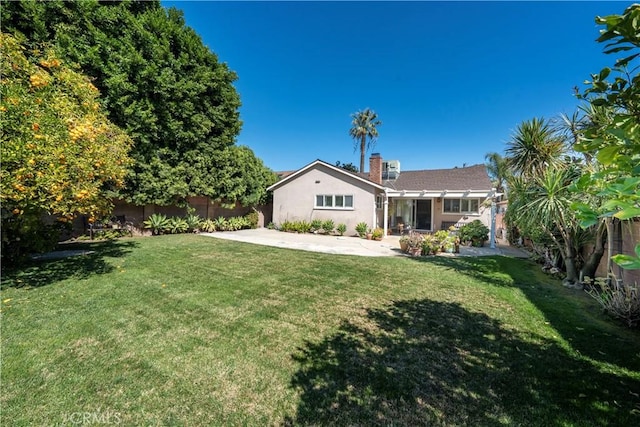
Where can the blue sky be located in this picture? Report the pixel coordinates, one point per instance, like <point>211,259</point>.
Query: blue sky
<point>450,81</point>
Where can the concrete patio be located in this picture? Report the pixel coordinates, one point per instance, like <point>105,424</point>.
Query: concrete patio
<point>346,245</point>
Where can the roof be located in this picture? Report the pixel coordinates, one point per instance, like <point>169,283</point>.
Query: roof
<point>291,176</point>
<point>457,179</point>
<point>457,182</point>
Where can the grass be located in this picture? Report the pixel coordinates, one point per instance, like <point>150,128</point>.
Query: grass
<point>189,330</point>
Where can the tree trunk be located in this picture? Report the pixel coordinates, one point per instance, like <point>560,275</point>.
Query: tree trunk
<point>572,278</point>
<point>593,261</point>
<point>609,224</point>
<point>363,143</point>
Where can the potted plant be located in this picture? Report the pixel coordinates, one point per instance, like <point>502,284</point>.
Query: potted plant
<point>369,234</point>
<point>404,243</point>
<point>414,243</point>
<point>475,233</point>
<point>441,237</point>
<point>377,233</point>
<point>430,245</point>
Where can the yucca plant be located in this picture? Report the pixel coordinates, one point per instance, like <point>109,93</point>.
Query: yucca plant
<point>220,223</point>
<point>328,226</point>
<point>177,225</point>
<point>157,223</point>
<point>303,227</point>
<point>342,228</point>
<point>208,226</point>
<point>361,228</point>
<point>316,225</point>
<point>194,222</point>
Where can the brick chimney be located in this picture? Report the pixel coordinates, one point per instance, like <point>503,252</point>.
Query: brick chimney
<point>375,168</point>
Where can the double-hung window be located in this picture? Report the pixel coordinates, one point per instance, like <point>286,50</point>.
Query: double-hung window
<point>334,201</point>
<point>470,206</point>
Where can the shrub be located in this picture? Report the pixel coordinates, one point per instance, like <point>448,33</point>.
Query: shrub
<point>220,223</point>
<point>328,226</point>
<point>316,225</point>
<point>208,226</point>
<point>342,228</point>
<point>475,232</point>
<point>431,245</point>
<point>252,219</point>
<point>271,226</point>
<point>361,228</point>
<point>194,222</point>
<point>177,225</point>
<point>301,226</point>
<point>440,237</point>
<point>619,300</point>
<point>23,235</point>
<point>158,223</point>
<point>237,223</point>
<point>286,226</point>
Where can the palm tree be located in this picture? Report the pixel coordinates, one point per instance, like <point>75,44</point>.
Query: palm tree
<point>543,203</point>
<point>363,127</point>
<point>498,170</point>
<point>535,146</point>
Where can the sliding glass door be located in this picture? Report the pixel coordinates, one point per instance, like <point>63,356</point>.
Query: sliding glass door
<point>414,213</point>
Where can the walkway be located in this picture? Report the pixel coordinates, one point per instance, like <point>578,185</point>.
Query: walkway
<point>345,245</point>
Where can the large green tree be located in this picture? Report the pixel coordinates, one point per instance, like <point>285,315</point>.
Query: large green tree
<point>614,138</point>
<point>160,83</point>
<point>540,197</point>
<point>61,156</point>
<point>498,170</point>
<point>534,146</point>
<point>364,131</point>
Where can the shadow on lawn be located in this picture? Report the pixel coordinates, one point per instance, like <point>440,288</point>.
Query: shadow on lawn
<point>572,313</point>
<point>42,272</point>
<point>422,362</point>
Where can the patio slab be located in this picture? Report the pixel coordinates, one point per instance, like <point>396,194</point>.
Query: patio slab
<point>345,245</point>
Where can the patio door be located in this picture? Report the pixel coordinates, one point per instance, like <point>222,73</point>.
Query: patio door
<point>422,214</point>
<point>413,213</point>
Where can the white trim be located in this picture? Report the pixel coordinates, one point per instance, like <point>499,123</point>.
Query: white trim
<point>427,194</point>
<point>470,213</point>
<point>333,202</point>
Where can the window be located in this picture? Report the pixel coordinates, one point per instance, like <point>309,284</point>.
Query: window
<point>460,206</point>
<point>334,201</point>
<point>379,202</point>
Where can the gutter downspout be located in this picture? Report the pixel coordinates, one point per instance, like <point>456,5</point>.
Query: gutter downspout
<point>374,222</point>
<point>386,213</point>
<point>492,235</point>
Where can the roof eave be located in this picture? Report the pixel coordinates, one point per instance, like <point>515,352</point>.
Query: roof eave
<point>320,162</point>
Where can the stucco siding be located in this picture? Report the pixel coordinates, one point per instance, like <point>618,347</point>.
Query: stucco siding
<point>296,200</point>
<point>439,216</point>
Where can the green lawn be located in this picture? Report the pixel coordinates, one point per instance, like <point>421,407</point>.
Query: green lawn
<point>189,330</point>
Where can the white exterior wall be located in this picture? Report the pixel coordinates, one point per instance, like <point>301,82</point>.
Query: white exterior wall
<point>295,199</point>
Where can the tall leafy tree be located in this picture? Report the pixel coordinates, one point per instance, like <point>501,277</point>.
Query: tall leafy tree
<point>614,139</point>
<point>347,166</point>
<point>160,84</point>
<point>534,146</point>
<point>60,154</point>
<point>498,170</point>
<point>364,131</point>
<point>541,204</point>
<point>540,196</point>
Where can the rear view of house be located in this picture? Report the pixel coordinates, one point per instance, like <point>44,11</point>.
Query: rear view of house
<point>386,197</point>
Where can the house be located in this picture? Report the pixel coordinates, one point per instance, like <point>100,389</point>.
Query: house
<point>423,200</point>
